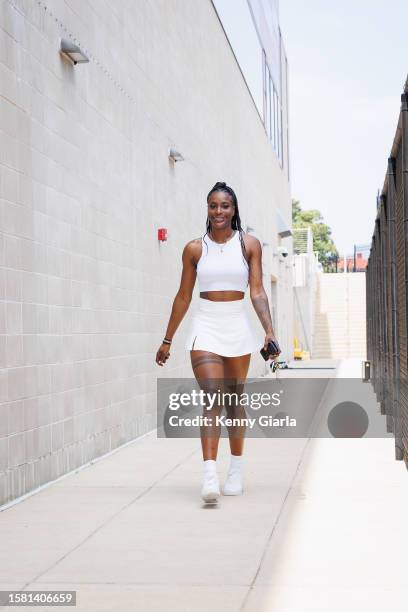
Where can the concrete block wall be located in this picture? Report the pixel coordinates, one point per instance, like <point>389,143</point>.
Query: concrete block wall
<point>85,182</point>
<point>340,319</point>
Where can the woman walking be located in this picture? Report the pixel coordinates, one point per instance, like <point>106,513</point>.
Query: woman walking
<point>225,261</point>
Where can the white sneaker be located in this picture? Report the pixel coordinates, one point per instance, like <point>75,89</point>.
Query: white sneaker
<point>210,491</point>
<point>233,484</point>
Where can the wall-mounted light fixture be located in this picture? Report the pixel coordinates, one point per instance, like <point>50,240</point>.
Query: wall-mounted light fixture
<point>284,230</point>
<point>162,234</point>
<point>72,52</point>
<point>175,155</point>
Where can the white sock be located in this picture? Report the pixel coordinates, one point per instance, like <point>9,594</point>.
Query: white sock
<point>210,490</point>
<point>210,478</point>
<point>210,467</point>
<point>236,463</point>
<point>234,481</point>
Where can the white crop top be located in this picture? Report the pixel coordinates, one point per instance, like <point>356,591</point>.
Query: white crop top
<point>222,267</point>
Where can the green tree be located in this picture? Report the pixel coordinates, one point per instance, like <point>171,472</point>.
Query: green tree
<point>322,241</point>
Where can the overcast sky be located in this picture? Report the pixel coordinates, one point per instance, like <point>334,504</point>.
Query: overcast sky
<point>348,61</point>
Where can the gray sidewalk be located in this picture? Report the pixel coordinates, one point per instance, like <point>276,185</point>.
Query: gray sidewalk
<point>321,526</point>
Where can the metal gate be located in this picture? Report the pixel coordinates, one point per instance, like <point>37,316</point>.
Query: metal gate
<point>387,291</point>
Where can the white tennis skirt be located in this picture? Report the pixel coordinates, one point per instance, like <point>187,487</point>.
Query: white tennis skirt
<point>223,328</point>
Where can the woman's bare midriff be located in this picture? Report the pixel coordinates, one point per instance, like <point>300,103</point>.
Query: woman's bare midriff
<point>222,296</point>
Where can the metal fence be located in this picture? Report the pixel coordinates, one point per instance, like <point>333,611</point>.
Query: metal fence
<point>387,291</point>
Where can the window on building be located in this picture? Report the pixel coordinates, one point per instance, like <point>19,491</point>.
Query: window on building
<point>239,27</point>
<point>252,28</point>
<point>267,97</point>
<point>272,112</point>
<point>275,122</point>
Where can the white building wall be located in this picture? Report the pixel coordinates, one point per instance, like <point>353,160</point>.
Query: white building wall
<point>304,305</point>
<point>85,287</point>
<point>306,272</point>
<point>340,323</point>
<point>285,330</point>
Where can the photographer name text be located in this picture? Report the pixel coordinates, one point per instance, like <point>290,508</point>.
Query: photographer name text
<point>221,419</point>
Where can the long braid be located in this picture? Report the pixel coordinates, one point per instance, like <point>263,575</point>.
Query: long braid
<point>236,219</point>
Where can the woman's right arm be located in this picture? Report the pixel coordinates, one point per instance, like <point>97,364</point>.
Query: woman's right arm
<point>183,297</point>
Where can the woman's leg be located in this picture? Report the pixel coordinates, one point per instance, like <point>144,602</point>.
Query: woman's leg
<point>236,369</point>
<point>208,369</point>
<point>235,372</point>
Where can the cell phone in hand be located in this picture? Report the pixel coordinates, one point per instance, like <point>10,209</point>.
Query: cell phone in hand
<point>272,350</point>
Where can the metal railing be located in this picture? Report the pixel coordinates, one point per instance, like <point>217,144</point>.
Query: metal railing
<point>302,240</point>
<point>387,291</point>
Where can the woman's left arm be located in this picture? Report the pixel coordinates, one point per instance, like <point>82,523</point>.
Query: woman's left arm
<point>258,295</point>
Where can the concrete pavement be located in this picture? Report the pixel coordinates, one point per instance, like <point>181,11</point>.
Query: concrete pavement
<point>321,525</point>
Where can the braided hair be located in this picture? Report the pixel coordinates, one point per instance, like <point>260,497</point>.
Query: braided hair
<point>236,219</point>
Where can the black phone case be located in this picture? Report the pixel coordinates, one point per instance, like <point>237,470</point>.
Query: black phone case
<point>272,350</point>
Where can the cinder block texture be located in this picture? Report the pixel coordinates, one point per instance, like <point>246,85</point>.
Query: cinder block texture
<point>86,289</point>
<point>340,329</point>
